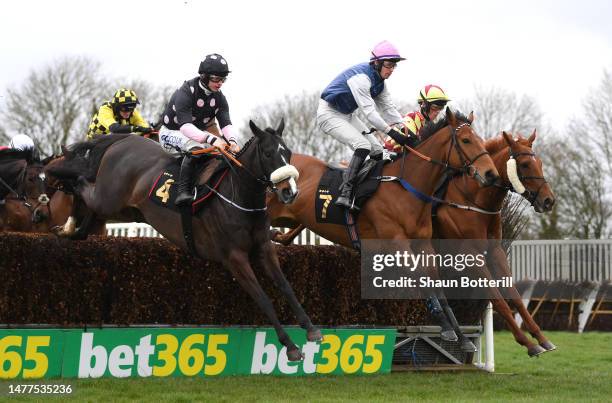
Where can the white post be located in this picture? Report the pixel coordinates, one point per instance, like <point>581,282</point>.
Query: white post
<point>488,335</point>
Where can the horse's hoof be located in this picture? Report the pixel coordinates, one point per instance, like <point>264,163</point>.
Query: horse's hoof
<point>535,350</point>
<point>314,335</point>
<point>295,354</point>
<point>448,335</point>
<point>548,346</point>
<point>274,234</point>
<point>467,346</point>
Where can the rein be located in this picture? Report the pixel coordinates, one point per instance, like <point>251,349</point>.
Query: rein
<point>465,168</point>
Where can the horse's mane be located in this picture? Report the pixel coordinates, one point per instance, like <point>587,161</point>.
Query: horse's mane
<point>84,158</point>
<point>245,147</point>
<point>430,128</point>
<point>495,144</point>
<point>498,143</point>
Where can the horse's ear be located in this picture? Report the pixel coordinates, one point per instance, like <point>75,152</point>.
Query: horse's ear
<point>450,118</point>
<point>65,152</point>
<point>256,130</point>
<point>281,127</point>
<point>532,138</point>
<point>471,117</point>
<point>508,138</point>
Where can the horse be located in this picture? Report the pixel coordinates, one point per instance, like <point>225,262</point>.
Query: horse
<point>520,171</point>
<point>66,212</point>
<point>453,221</point>
<point>22,189</point>
<point>393,213</point>
<point>231,229</point>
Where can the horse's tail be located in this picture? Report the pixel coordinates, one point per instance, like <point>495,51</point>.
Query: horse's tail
<point>84,158</point>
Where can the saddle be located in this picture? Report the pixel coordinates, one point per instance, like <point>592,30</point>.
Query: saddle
<point>366,184</point>
<point>210,173</point>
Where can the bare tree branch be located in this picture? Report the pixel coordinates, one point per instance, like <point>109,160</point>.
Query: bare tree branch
<point>301,132</point>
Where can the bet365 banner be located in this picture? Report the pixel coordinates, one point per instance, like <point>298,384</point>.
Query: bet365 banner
<point>161,352</point>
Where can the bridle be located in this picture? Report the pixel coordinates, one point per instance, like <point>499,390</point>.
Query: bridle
<point>467,164</point>
<point>41,200</point>
<point>529,195</point>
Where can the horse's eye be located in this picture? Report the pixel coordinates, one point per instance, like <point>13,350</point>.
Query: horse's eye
<point>525,165</point>
<point>268,154</point>
<point>465,141</point>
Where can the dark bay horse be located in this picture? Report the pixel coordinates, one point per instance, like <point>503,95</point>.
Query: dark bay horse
<point>22,188</point>
<point>232,228</point>
<point>523,175</point>
<point>393,213</point>
<point>66,211</point>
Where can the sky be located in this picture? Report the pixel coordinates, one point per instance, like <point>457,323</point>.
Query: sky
<point>554,51</point>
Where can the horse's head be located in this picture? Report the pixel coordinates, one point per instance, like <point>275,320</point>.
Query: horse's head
<point>35,187</point>
<point>525,175</point>
<point>274,157</point>
<point>468,151</point>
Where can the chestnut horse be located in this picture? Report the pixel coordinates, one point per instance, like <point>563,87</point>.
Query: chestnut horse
<point>22,189</point>
<point>521,171</point>
<point>392,212</point>
<point>456,223</point>
<point>231,228</point>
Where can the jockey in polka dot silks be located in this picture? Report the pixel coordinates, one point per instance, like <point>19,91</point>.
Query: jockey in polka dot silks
<point>189,119</point>
<point>119,115</point>
<point>361,87</point>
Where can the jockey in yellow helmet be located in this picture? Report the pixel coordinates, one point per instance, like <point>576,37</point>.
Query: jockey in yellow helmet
<point>119,115</point>
<point>432,99</point>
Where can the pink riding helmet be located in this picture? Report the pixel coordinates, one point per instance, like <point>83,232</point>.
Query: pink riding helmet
<point>385,51</point>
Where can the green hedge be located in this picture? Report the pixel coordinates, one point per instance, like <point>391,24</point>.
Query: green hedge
<point>123,281</point>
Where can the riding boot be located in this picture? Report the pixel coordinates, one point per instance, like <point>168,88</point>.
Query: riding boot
<point>346,189</point>
<point>184,187</point>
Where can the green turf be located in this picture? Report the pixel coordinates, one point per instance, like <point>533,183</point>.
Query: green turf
<point>580,370</point>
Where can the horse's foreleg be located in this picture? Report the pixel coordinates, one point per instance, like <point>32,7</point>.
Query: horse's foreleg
<point>503,309</point>
<point>238,264</point>
<point>499,263</point>
<point>287,237</point>
<point>269,260</point>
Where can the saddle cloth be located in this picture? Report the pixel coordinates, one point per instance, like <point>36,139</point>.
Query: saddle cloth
<point>163,192</point>
<point>367,182</point>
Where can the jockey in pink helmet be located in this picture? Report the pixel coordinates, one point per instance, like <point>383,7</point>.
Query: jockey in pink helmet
<point>361,87</point>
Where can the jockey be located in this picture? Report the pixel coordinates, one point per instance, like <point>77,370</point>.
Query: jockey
<point>20,142</point>
<point>361,87</point>
<point>432,99</point>
<point>413,122</point>
<point>189,119</point>
<point>119,115</point>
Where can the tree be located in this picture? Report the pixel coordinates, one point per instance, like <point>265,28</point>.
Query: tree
<point>497,109</point>
<point>595,123</point>
<point>301,132</point>
<point>153,98</point>
<point>52,105</point>
<point>582,209</point>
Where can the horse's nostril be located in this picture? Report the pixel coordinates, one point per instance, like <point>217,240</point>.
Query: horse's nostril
<point>549,202</point>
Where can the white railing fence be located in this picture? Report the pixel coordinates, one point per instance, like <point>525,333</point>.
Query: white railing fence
<point>572,260</point>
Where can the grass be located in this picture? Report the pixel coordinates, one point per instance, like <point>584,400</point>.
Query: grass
<point>580,370</point>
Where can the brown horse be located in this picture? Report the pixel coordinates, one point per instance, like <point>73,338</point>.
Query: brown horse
<point>392,212</point>
<point>22,190</point>
<point>231,228</point>
<point>456,223</point>
<point>66,212</point>
<point>526,179</point>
